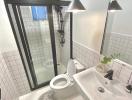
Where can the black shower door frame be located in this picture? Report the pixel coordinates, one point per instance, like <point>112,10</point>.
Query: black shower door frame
<point>19,21</point>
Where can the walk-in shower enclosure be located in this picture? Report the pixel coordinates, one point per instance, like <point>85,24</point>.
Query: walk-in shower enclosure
<point>33,26</point>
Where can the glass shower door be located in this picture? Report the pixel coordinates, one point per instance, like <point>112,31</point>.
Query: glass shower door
<point>37,34</point>
<point>33,29</point>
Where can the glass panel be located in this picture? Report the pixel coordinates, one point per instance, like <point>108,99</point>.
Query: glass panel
<point>38,35</point>
<point>62,47</point>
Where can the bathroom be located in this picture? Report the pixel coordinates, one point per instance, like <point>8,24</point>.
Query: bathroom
<point>44,43</point>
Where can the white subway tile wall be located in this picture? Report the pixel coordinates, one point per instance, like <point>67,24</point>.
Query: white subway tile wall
<point>17,72</point>
<point>86,56</point>
<point>122,71</point>
<point>7,85</point>
<point>121,43</point>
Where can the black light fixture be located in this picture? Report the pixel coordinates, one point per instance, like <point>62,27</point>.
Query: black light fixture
<point>76,6</point>
<point>114,5</point>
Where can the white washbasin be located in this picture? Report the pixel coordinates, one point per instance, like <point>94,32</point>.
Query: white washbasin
<point>94,86</point>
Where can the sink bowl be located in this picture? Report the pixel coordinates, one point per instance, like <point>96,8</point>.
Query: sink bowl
<point>94,86</point>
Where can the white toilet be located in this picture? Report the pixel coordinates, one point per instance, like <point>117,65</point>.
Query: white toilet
<point>62,84</point>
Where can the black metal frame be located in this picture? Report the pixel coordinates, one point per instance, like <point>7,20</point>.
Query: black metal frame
<point>104,33</point>
<point>16,39</point>
<point>50,19</point>
<point>37,2</point>
<point>16,8</point>
<point>71,35</point>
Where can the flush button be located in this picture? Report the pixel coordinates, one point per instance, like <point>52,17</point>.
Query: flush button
<point>101,90</point>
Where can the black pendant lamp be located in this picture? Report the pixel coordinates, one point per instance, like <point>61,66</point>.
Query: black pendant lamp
<point>114,5</point>
<point>76,6</point>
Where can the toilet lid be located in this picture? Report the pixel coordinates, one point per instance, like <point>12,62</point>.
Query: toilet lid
<point>71,69</point>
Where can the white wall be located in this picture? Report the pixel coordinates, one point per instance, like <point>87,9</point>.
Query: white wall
<point>88,26</point>
<point>7,41</point>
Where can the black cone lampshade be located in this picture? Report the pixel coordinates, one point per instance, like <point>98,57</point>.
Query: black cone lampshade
<point>114,5</point>
<point>76,6</point>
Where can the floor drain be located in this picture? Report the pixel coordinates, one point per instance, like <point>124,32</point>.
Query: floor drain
<point>100,89</point>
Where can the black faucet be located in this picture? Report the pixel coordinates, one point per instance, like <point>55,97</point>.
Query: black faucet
<point>109,74</point>
<point>129,87</point>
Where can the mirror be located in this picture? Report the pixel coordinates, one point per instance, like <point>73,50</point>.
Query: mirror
<point>88,26</point>
<point>118,33</point>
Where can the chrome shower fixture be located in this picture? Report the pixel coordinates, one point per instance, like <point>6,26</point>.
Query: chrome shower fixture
<point>60,24</point>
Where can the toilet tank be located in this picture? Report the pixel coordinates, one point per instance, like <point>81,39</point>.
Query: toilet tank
<point>79,67</point>
<point>74,67</point>
<point>71,69</point>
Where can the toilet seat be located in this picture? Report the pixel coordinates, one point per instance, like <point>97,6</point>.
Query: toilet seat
<point>60,82</point>
<point>63,81</point>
